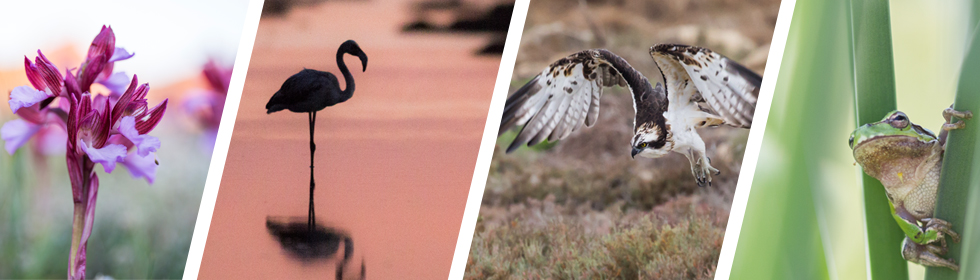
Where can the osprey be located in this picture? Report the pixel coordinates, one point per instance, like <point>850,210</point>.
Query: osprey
<point>703,88</point>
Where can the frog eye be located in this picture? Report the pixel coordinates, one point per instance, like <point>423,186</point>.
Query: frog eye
<point>899,120</point>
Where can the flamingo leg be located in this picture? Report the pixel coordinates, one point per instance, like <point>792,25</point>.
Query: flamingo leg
<point>312,214</point>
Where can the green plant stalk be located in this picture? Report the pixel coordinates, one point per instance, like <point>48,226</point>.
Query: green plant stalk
<point>960,172</point>
<point>77,226</point>
<point>781,233</point>
<point>874,96</point>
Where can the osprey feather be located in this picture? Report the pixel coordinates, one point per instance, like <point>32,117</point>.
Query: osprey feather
<point>702,89</point>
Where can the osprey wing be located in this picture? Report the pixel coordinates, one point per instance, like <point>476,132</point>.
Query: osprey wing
<point>566,95</point>
<point>727,88</point>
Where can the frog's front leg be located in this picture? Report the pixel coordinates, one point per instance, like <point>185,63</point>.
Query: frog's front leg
<point>948,114</point>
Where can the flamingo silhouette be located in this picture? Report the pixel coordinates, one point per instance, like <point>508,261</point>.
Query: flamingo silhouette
<point>310,91</point>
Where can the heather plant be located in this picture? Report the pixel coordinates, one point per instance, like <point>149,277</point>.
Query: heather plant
<point>101,129</point>
<point>679,239</point>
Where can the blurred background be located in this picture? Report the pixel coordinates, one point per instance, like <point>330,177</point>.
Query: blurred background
<point>581,207</point>
<point>141,230</point>
<point>805,214</point>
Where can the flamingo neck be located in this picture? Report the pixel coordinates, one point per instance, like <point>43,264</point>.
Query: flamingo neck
<point>348,78</point>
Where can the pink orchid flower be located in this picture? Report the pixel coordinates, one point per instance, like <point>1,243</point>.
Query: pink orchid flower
<point>100,129</point>
<point>206,105</point>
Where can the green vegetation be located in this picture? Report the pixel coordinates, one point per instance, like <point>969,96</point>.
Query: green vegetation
<point>874,96</point>
<point>781,231</point>
<point>807,217</point>
<point>959,203</point>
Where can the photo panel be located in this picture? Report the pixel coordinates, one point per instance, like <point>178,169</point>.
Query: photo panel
<point>356,139</point>
<point>867,165</point>
<point>113,111</point>
<point>640,186</point>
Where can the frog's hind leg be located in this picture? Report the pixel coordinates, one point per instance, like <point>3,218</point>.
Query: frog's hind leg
<point>938,250</point>
<point>926,255</point>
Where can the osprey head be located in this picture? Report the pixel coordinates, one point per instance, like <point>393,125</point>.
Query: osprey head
<point>651,140</point>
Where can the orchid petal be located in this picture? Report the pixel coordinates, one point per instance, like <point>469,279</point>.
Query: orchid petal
<point>33,114</point>
<point>102,126</point>
<point>50,140</point>
<point>91,70</point>
<point>217,76</point>
<point>16,132</point>
<point>72,88</point>
<point>120,54</point>
<point>42,74</point>
<point>107,155</point>
<point>25,96</point>
<point>144,143</point>
<point>99,99</point>
<point>32,74</point>
<point>207,140</point>
<point>152,118</point>
<point>116,83</point>
<point>198,100</point>
<point>123,102</point>
<point>104,44</point>
<point>141,166</point>
<point>49,72</point>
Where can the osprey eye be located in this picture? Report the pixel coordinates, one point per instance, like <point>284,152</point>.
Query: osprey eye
<point>643,145</point>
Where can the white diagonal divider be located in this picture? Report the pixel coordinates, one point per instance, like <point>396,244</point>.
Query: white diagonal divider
<point>754,144</point>
<point>479,183</point>
<point>218,156</point>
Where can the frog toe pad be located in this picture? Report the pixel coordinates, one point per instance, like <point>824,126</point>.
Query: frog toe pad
<point>950,112</point>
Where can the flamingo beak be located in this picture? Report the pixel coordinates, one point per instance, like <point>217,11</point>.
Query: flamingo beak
<point>363,61</point>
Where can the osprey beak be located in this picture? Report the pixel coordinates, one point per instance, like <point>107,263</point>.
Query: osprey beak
<point>634,152</point>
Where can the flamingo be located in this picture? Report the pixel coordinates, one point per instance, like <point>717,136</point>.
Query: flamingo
<point>310,91</point>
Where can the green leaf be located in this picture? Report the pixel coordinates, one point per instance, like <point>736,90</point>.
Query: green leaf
<point>782,236</point>
<point>957,201</point>
<point>874,96</point>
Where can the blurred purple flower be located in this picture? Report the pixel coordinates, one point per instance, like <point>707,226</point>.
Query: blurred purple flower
<point>206,106</point>
<point>100,129</point>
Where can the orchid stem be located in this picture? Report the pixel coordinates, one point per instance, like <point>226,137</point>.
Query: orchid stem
<point>78,226</point>
<point>77,232</point>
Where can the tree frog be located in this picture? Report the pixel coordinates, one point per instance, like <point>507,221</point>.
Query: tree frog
<point>907,159</point>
